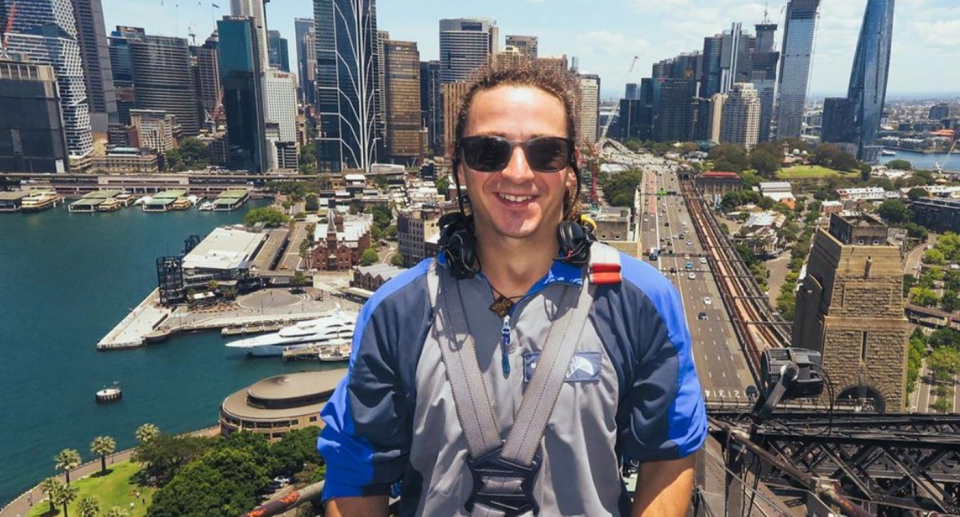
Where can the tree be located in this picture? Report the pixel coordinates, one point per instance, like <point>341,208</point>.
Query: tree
<point>312,203</point>
<point>917,193</point>
<point>224,481</point>
<point>63,495</point>
<point>382,216</point>
<point>397,259</point>
<point>146,432</point>
<point>945,337</point>
<point>102,446</point>
<point>116,511</point>
<point>299,280</point>
<point>443,185</point>
<point>902,165</point>
<point>766,203</point>
<point>944,364</point>
<point>950,302</point>
<point>767,164</point>
<point>195,153</point>
<point>894,211</point>
<point>924,297</point>
<point>163,456</point>
<point>295,450</point>
<point>50,486</point>
<point>369,257</point>
<point>272,217</point>
<point>174,160</point>
<point>729,158</point>
<point>934,256</point>
<point>310,230</point>
<point>865,172</point>
<point>305,252</point>
<point>623,200</point>
<point>88,507</point>
<point>67,460</point>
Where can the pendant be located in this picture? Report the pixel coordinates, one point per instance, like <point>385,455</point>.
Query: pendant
<point>501,306</point>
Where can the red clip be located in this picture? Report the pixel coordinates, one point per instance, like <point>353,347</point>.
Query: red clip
<point>605,274</point>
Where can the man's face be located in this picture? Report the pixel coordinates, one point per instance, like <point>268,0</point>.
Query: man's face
<point>516,202</point>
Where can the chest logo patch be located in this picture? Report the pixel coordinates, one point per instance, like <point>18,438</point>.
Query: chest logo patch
<point>584,366</point>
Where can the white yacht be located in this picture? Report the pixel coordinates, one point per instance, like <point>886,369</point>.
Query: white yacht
<point>334,327</point>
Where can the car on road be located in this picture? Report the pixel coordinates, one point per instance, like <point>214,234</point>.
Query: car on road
<point>689,243</point>
<point>688,265</point>
<point>707,300</point>
<point>703,260</point>
<point>673,270</point>
<point>667,224</point>
<point>702,315</point>
<point>692,276</point>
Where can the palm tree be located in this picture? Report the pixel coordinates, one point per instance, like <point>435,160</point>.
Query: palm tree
<point>49,486</point>
<point>88,507</point>
<point>116,511</point>
<point>67,460</point>
<point>63,496</point>
<point>103,445</point>
<point>147,432</point>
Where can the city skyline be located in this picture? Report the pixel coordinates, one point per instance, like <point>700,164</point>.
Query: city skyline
<point>606,39</point>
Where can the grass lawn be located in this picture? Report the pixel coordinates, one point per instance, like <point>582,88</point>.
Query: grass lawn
<point>808,172</point>
<point>117,488</point>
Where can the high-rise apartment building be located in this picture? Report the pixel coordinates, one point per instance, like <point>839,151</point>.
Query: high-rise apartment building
<point>241,77</point>
<point>715,118</point>
<point>208,78</point>
<point>31,125</point>
<point>431,104</point>
<point>795,60</point>
<point>527,45</point>
<point>255,9</point>
<point>163,81</point>
<point>280,94</point>
<point>92,37</point>
<point>465,45</point>
<point>45,32</point>
<point>278,52</point>
<point>348,68</point>
<point>939,111</point>
<point>674,104</point>
<point>741,116</point>
<point>868,80</point>
<point>589,108</point>
<point>380,99</point>
<point>306,59</point>
<point>452,98</point>
<point>155,130</point>
<point>401,61</point>
<point>763,75</point>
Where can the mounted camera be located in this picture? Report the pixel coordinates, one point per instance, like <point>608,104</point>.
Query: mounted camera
<point>788,374</point>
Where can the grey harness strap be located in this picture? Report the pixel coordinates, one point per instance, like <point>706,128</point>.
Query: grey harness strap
<point>504,471</point>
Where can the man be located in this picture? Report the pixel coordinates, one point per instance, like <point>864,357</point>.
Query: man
<point>631,388</point>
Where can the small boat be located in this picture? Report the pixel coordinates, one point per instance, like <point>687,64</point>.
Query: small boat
<point>335,353</point>
<point>205,207</point>
<point>888,152</point>
<point>107,395</point>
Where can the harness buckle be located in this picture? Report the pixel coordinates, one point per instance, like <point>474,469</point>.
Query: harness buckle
<point>501,485</point>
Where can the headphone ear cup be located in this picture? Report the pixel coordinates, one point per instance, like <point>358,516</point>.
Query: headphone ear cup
<point>570,235</point>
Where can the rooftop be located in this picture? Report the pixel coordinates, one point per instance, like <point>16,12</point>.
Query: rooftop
<point>224,249</point>
<point>307,386</point>
<point>13,195</point>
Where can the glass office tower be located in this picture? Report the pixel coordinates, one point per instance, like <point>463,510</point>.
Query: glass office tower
<point>868,80</point>
<point>801,25</point>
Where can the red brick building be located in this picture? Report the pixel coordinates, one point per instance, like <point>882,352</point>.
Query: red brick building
<point>339,246</point>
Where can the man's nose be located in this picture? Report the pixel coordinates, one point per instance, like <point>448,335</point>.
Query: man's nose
<point>518,170</point>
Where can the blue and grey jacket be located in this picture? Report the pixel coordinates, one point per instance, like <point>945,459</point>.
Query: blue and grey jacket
<point>631,390</point>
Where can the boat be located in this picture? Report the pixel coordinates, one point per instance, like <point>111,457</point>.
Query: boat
<point>39,200</point>
<point>887,152</point>
<point>111,394</point>
<point>331,328</point>
<point>208,206</point>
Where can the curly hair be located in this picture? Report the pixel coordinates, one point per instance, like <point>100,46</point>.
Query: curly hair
<point>536,73</point>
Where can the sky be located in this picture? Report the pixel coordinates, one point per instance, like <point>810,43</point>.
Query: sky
<point>606,34</point>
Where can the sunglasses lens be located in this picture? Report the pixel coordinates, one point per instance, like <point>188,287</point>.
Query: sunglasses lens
<point>548,154</point>
<point>486,153</point>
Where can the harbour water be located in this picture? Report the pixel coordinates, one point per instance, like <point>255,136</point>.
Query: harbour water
<point>65,281</point>
<point>949,162</point>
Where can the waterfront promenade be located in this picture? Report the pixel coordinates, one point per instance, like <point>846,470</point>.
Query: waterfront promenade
<point>21,505</point>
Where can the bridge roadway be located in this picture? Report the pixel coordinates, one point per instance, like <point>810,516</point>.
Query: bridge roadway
<point>720,362</point>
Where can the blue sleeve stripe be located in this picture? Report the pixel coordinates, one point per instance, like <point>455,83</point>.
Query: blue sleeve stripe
<point>349,457</point>
<point>687,416</point>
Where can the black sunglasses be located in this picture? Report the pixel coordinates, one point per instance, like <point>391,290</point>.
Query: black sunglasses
<point>493,153</point>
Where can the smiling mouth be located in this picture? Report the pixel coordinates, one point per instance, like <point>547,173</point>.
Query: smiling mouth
<point>515,199</point>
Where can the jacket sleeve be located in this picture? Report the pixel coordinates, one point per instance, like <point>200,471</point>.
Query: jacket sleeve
<point>367,422</point>
<point>667,418</point>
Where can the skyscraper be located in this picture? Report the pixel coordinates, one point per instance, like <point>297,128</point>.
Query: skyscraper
<point>715,119</point>
<point>31,126</point>
<point>763,75</point>
<point>837,125</point>
<point>465,46</point>
<point>741,116</point>
<point>347,73</point>
<point>801,25</point>
<point>589,108</point>
<point>163,81</point>
<point>868,80</point>
<point>401,61</point>
<point>45,31</point>
<point>431,103</point>
<point>257,10</point>
<point>92,37</point>
<point>122,66</point>
<point>527,45</point>
<point>734,57</point>
<point>306,59</point>
<point>280,96</point>
<point>208,77</point>
<point>710,77</point>
<point>278,52</point>
<point>674,107</point>
<point>241,77</point>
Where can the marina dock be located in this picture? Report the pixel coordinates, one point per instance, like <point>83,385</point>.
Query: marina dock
<point>166,201</point>
<point>231,200</point>
<point>100,201</point>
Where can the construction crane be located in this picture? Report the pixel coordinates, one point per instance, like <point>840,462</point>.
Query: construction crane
<point>6,30</point>
<point>616,109</point>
